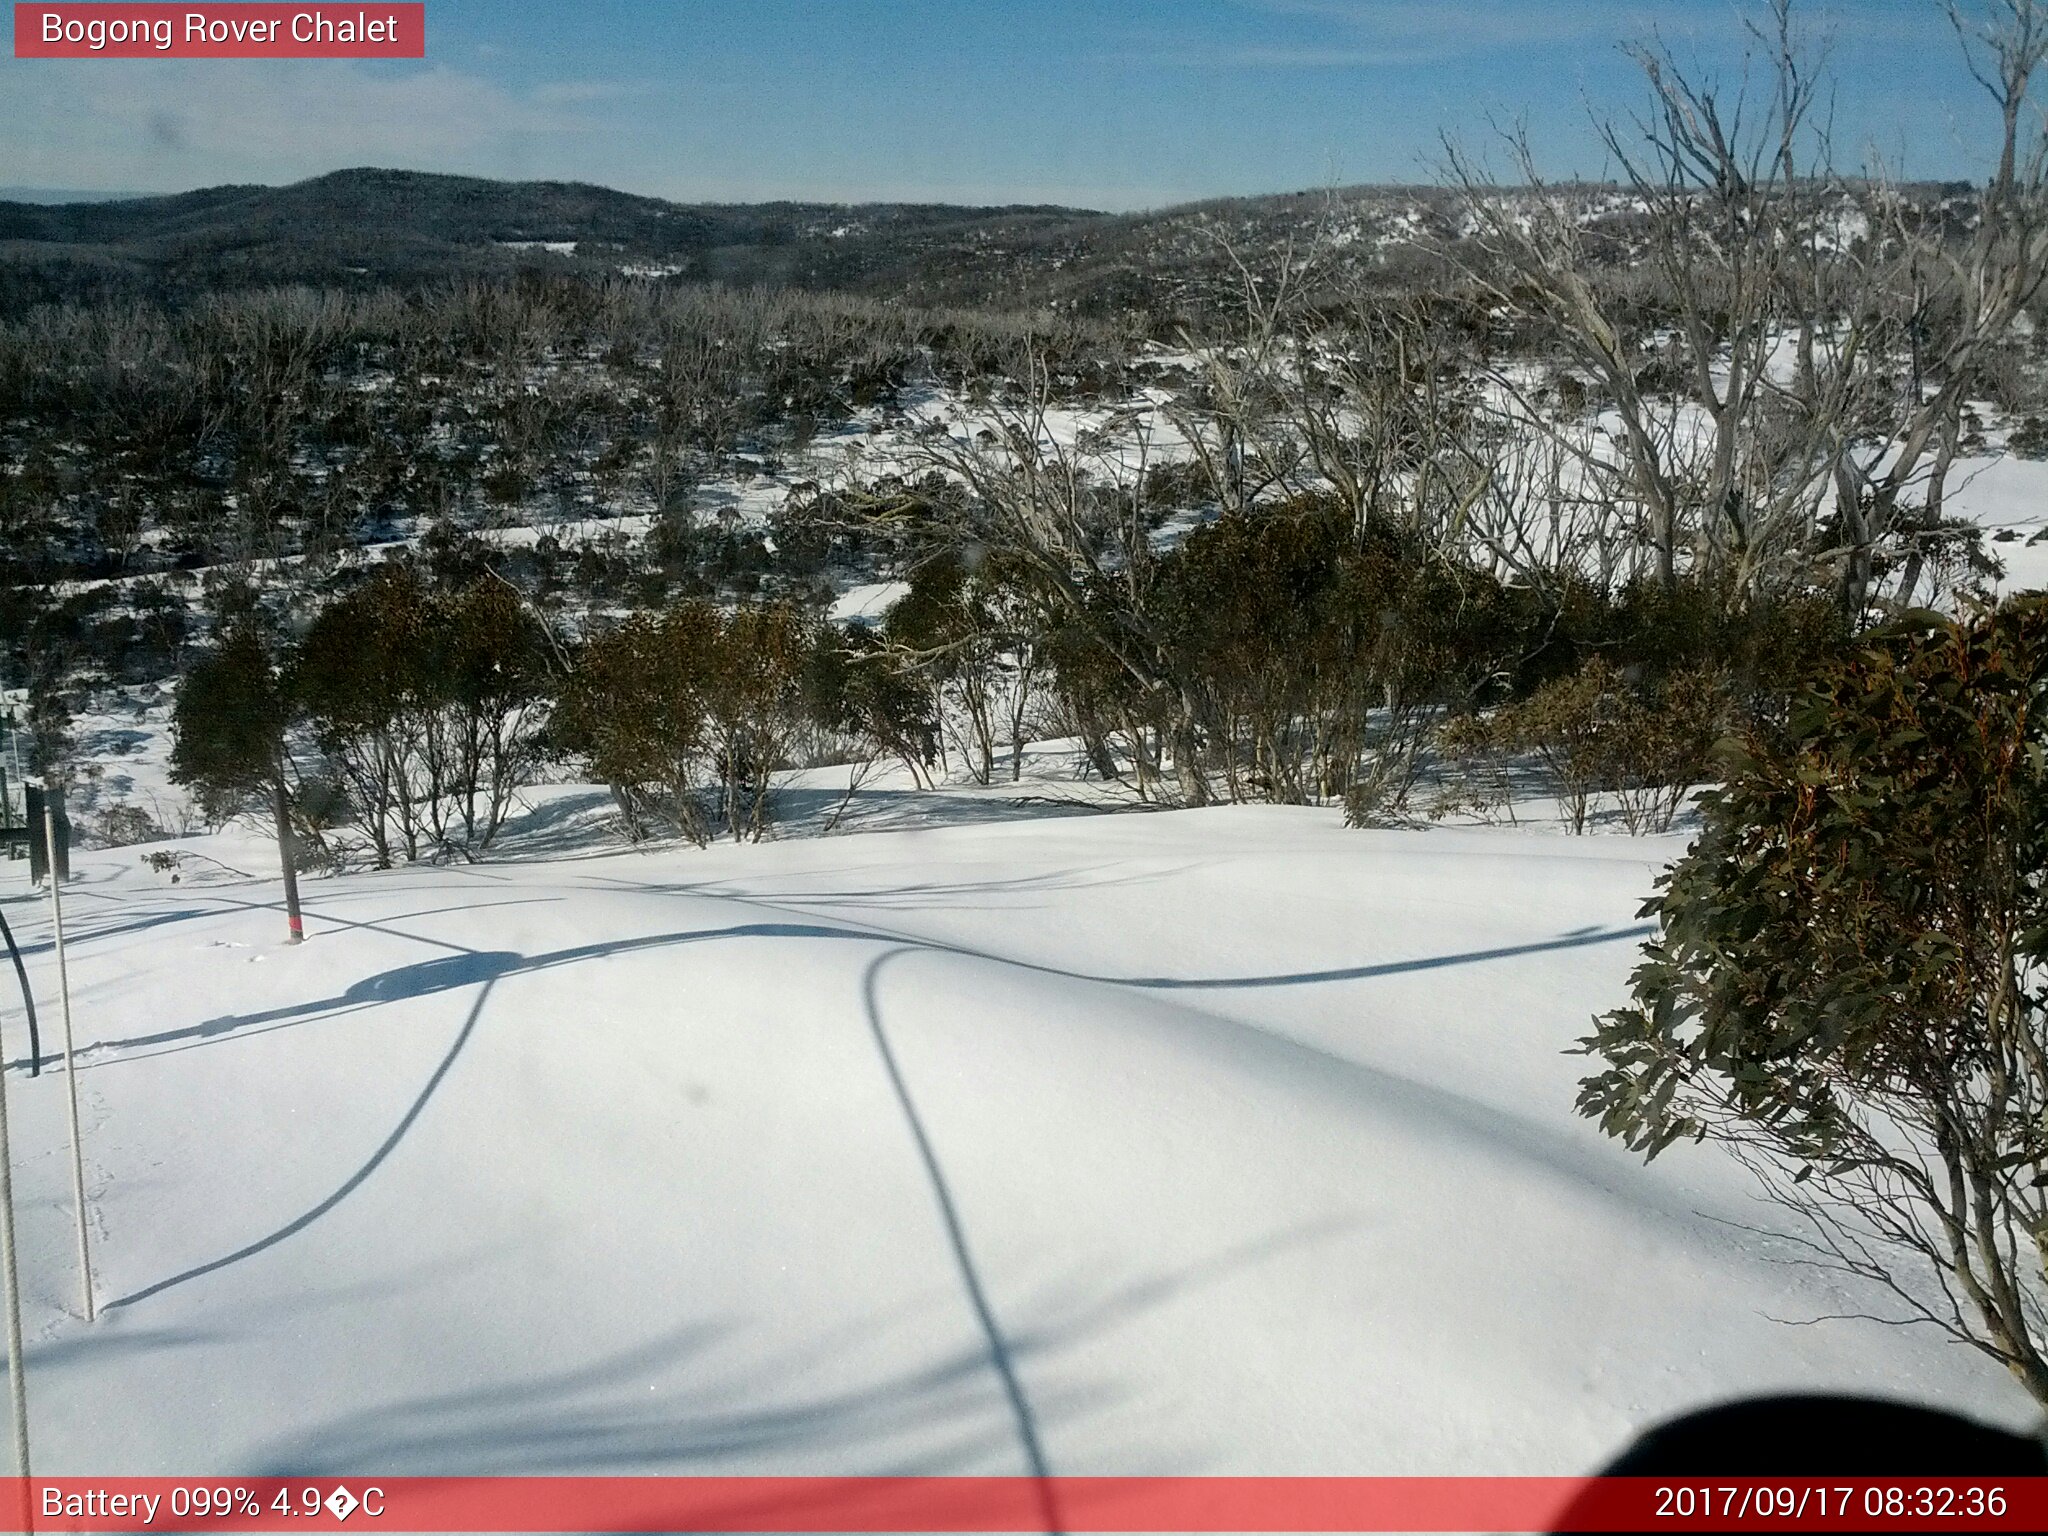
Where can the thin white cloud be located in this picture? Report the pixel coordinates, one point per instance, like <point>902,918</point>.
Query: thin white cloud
<point>139,123</point>
<point>1416,30</point>
<point>1284,56</point>
<point>1379,34</point>
<point>1428,29</point>
<point>569,93</point>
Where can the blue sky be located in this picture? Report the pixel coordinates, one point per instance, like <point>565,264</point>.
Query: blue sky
<point>1115,105</point>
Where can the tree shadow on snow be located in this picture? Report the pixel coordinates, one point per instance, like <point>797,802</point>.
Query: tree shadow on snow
<point>552,1419</point>
<point>997,894</point>
<point>471,967</point>
<point>585,824</point>
<point>1000,1354</point>
<point>910,1399</point>
<point>355,1180</point>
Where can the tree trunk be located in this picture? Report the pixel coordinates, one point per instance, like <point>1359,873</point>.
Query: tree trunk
<point>280,803</point>
<point>1187,769</point>
<point>1099,756</point>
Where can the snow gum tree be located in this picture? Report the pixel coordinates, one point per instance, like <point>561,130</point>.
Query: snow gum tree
<point>970,631</point>
<point>667,704</point>
<point>230,722</point>
<point>353,672</point>
<point>1850,985</point>
<point>635,707</point>
<point>856,689</point>
<point>428,704</point>
<point>755,707</point>
<point>490,680</point>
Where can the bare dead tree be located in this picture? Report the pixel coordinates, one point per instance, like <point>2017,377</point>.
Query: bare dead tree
<point>1237,425</point>
<point>1789,411</point>
<point>1064,502</point>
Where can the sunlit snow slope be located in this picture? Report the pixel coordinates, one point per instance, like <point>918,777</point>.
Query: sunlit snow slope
<point>1217,1141</point>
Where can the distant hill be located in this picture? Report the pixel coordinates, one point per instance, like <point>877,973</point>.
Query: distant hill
<point>62,195</point>
<point>403,225</point>
<point>378,227</point>
<point>386,226</point>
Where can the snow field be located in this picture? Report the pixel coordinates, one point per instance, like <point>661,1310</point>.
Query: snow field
<point>1217,1141</point>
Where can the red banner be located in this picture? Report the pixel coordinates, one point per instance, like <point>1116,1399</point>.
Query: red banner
<point>1007,1504</point>
<point>112,30</point>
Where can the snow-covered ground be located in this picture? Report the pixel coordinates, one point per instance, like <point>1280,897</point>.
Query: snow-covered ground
<point>869,602</point>
<point>997,1135</point>
<point>1211,1141</point>
<point>2006,496</point>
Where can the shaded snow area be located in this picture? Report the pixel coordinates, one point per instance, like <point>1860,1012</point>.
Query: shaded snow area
<point>868,603</point>
<point>1222,1141</point>
<point>2006,496</point>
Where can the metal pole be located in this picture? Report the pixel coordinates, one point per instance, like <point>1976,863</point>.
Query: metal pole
<point>28,1000</point>
<point>16,1365</point>
<point>70,1053</point>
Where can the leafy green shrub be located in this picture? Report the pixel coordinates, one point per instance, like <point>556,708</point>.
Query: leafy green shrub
<point>634,706</point>
<point>1598,730</point>
<point>670,705</point>
<point>972,631</point>
<point>2029,440</point>
<point>855,687</point>
<point>1319,656</point>
<point>229,724</point>
<point>119,826</point>
<point>1848,987</point>
<point>754,695</point>
<point>429,706</point>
